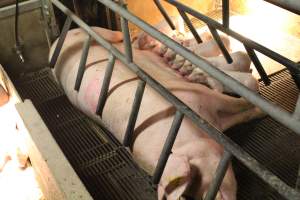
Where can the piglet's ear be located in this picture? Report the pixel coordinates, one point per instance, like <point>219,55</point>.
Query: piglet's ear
<point>175,179</point>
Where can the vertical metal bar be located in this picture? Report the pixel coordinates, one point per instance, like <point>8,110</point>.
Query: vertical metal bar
<point>127,41</point>
<point>298,180</point>
<point>297,109</point>
<point>81,67</point>
<point>217,38</point>
<point>258,65</point>
<point>220,173</point>
<point>167,147</point>
<point>165,14</point>
<point>225,11</point>
<point>60,41</point>
<point>105,84</point>
<point>190,26</point>
<point>134,113</point>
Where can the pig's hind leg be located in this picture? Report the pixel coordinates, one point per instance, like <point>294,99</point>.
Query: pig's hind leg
<point>233,111</point>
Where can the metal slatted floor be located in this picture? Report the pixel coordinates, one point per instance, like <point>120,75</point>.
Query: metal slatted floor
<point>109,172</point>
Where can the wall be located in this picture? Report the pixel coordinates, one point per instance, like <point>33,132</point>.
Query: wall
<point>147,10</point>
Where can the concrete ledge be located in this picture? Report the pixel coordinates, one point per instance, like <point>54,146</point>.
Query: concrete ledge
<point>56,176</point>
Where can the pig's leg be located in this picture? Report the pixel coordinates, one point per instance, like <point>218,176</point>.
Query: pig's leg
<point>3,96</point>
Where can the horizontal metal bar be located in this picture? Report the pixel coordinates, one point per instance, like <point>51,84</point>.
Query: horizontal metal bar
<point>105,85</point>
<point>190,26</point>
<point>219,176</point>
<point>134,113</point>
<point>291,5</point>
<point>220,43</point>
<point>167,147</point>
<point>250,43</point>
<point>165,14</point>
<point>82,63</point>
<point>26,6</point>
<point>60,42</point>
<point>260,69</point>
<point>225,13</point>
<point>230,146</point>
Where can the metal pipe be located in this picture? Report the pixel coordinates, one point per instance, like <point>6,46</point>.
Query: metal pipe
<point>250,43</point>
<point>105,84</point>
<point>219,176</point>
<point>127,41</point>
<point>82,63</point>
<point>225,13</point>
<point>190,26</point>
<point>165,14</point>
<point>291,5</point>
<point>230,146</point>
<point>60,42</point>
<point>220,43</point>
<point>258,66</point>
<point>134,113</point>
<point>167,147</point>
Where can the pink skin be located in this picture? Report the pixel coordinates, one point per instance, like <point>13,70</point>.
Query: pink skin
<point>195,156</point>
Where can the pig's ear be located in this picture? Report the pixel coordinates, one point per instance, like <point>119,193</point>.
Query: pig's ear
<point>175,179</point>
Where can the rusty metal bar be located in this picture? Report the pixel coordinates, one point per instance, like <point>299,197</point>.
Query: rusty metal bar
<point>105,84</point>
<point>190,26</point>
<point>134,113</point>
<point>220,173</point>
<point>82,63</point>
<point>60,41</point>
<point>225,13</point>
<point>167,147</point>
<point>220,43</point>
<point>258,66</point>
<point>165,14</point>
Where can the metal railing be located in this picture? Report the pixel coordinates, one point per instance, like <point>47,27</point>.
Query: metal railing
<point>231,148</point>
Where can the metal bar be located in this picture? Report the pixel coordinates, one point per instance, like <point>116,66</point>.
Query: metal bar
<point>297,109</point>
<point>230,146</point>
<point>165,14</point>
<point>220,43</point>
<point>250,43</point>
<point>167,147</point>
<point>220,173</point>
<point>190,26</point>
<point>23,7</point>
<point>258,66</point>
<point>82,63</point>
<point>105,84</point>
<point>127,41</point>
<point>60,42</point>
<point>298,180</point>
<point>225,12</point>
<point>134,113</point>
<point>291,5</point>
